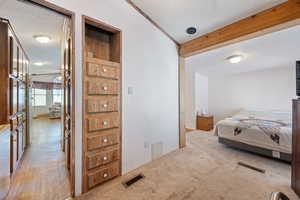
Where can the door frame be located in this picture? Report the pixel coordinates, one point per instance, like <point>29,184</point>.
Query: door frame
<point>68,13</point>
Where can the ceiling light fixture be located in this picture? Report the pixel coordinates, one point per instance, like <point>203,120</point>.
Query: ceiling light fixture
<point>39,64</point>
<point>191,30</point>
<point>42,39</point>
<point>234,59</point>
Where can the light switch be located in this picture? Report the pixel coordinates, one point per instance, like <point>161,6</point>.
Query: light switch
<point>130,90</point>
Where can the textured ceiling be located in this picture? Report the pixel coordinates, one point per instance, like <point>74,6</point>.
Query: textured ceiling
<point>279,49</point>
<point>175,16</point>
<point>29,20</point>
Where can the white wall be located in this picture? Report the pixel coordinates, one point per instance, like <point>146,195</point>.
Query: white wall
<point>150,66</point>
<point>190,98</point>
<point>271,89</point>
<point>201,93</point>
<point>196,95</point>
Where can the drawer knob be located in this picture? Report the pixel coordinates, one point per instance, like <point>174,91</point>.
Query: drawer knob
<point>105,175</point>
<point>105,88</point>
<point>104,158</point>
<point>105,123</point>
<point>105,140</point>
<point>104,105</point>
<point>104,70</point>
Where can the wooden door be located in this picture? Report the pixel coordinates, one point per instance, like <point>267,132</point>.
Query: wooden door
<point>296,147</point>
<point>67,105</point>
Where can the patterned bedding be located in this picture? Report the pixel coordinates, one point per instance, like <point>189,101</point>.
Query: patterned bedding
<point>266,129</point>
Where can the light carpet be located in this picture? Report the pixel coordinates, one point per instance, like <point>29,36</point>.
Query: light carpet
<point>204,170</point>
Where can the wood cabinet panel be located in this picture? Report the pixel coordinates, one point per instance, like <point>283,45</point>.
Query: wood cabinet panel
<point>14,150</point>
<point>205,123</point>
<point>103,87</point>
<point>21,97</point>
<point>13,72</point>
<point>103,104</point>
<point>102,158</point>
<point>103,121</point>
<point>103,62</point>
<point>103,139</point>
<point>104,174</point>
<point>20,68</point>
<point>14,96</point>
<point>104,71</point>
<point>24,135</point>
<point>15,65</point>
<point>20,140</point>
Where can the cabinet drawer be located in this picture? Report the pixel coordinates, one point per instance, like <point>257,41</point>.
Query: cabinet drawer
<point>103,71</point>
<point>103,175</point>
<point>102,87</point>
<point>205,122</point>
<point>102,158</point>
<point>102,104</point>
<point>103,121</point>
<point>106,138</point>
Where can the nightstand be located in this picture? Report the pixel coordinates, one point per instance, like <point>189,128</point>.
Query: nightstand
<point>205,122</point>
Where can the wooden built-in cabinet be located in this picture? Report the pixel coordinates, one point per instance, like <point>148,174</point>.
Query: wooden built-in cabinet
<point>102,103</point>
<point>296,147</point>
<point>14,66</point>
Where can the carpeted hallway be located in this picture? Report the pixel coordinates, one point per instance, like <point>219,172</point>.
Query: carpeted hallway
<point>204,170</point>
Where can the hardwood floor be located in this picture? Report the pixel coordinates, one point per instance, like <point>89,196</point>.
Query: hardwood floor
<point>42,174</point>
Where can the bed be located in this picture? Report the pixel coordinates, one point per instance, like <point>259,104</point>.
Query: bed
<point>268,133</point>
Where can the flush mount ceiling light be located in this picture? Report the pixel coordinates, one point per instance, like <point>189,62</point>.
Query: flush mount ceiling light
<point>234,59</point>
<point>39,63</point>
<point>191,30</point>
<point>42,38</point>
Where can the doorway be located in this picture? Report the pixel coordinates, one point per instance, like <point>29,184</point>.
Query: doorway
<point>46,33</point>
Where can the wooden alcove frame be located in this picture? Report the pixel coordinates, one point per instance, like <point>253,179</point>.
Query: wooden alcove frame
<point>71,15</point>
<point>109,28</point>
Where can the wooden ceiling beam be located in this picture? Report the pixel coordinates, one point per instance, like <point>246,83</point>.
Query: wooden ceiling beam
<point>277,18</point>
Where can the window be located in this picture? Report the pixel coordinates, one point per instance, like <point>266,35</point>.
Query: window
<point>57,95</point>
<point>39,97</point>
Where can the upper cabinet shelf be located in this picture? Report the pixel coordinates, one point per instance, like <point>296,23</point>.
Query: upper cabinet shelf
<point>101,44</point>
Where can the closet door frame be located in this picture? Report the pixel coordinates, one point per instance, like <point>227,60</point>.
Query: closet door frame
<point>71,15</point>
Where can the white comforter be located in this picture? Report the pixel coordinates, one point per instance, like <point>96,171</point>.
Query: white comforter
<point>266,129</point>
